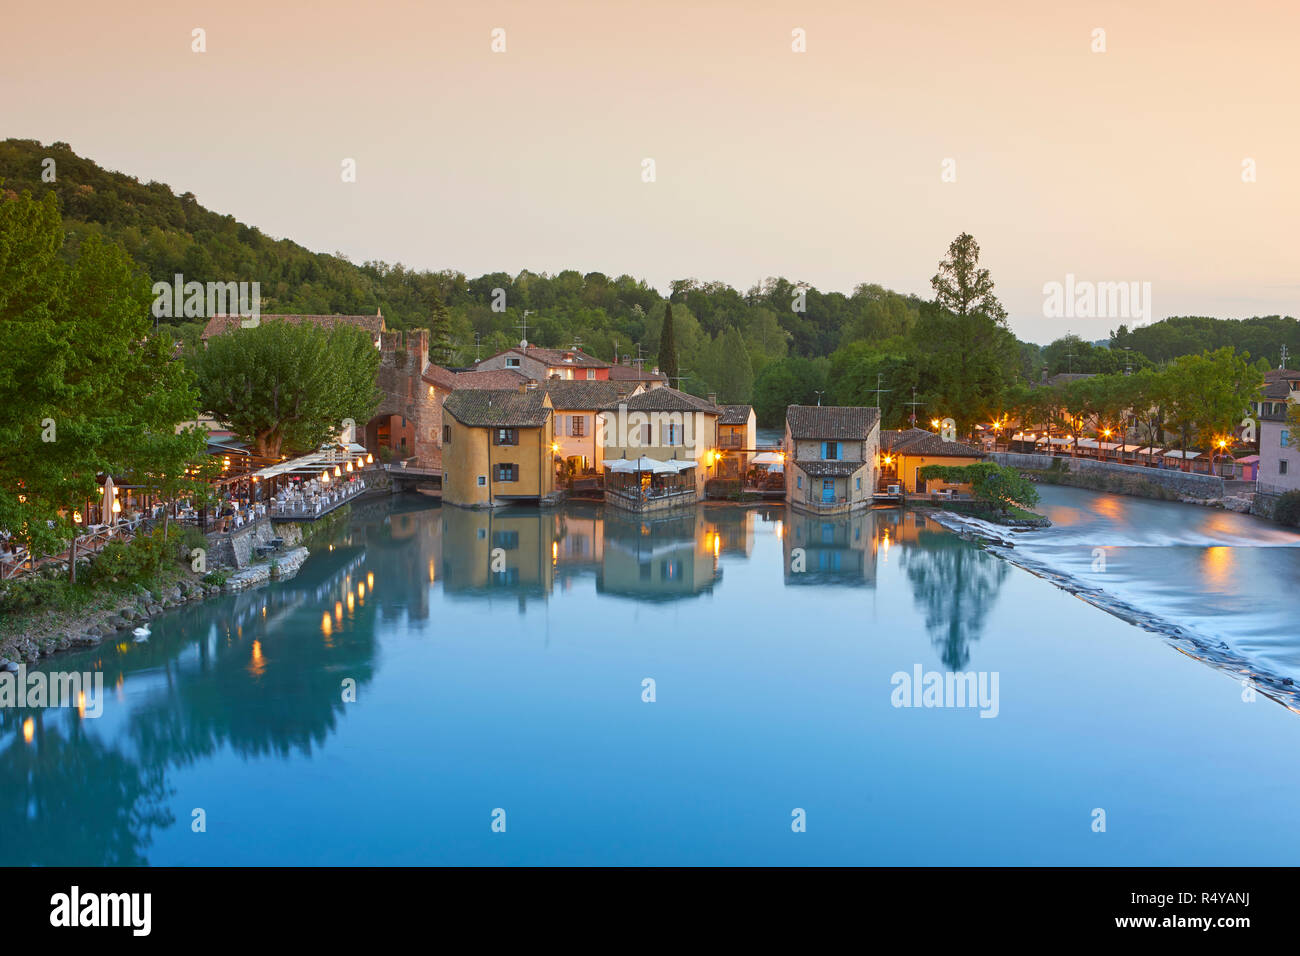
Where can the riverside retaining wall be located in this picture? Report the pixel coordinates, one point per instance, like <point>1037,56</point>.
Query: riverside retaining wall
<point>1182,482</point>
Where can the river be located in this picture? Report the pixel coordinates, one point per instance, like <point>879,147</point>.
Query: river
<point>502,665</point>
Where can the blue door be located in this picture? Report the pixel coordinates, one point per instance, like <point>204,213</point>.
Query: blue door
<point>828,491</point>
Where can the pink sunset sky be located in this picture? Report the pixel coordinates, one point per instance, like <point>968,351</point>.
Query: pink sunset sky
<point>823,166</point>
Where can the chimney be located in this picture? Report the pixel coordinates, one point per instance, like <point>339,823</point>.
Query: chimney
<point>523,387</point>
<point>713,398</point>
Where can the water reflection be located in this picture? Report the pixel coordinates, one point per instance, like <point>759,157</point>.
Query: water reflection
<point>259,674</point>
<point>955,586</point>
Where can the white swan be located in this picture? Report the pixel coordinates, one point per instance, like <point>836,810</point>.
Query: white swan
<point>141,633</point>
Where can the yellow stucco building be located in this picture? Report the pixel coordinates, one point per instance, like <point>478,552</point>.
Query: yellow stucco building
<point>498,447</point>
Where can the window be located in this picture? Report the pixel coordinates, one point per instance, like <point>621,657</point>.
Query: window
<point>578,425</point>
<point>859,484</point>
<point>512,363</point>
<point>1286,437</point>
<point>672,434</point>
<point>591,374</point>
<point>831,450</point>
<point>506,436</point>
<point>446,434</point>
<point>798,481</point>
<point>505,540</point>
<point>1281,467</point>
<point>645,436</point>
<point>505,473</point>
<point>482,480</point>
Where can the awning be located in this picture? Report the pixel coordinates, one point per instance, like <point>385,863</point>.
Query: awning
<point>1184,455</point>
<point>654,466</point>
<point>767,458</point>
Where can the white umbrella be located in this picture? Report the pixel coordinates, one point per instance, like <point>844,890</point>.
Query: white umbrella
<point>766,458</point>
<point>107,509</point>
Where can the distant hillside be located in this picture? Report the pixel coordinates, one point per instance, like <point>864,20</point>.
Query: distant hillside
<point>167,234</point>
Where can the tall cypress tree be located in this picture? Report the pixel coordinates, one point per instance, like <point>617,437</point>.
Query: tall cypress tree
<point>440,347</point>
<point>668,347</point>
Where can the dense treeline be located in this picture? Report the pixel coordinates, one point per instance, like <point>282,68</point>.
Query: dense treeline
<point>774,344</point>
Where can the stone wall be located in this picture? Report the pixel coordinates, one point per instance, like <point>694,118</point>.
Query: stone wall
<point>1181,482</point>
<point>235,549</point>
<point>403,358</point>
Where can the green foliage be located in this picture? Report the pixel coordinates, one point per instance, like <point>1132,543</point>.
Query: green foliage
<point>441,350</point>
<point>1177,336</point>
<point>85,389</point>
<point>962,287</point>
<point>217,577</point>
<point>136,561</point>
<point>1287,509</point>
<point>792,381</point>
<point>285,386</point>
<point>995,484</point>
<point>668,346</point>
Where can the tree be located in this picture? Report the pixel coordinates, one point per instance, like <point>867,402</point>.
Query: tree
<point>792,381</point>
<point>736,381</point>
<point>961,286</point>
<point>994,484</point>
<point>84,388</point>
<point>440,346</point>
<point>970,354</point>
<point>668,346</point>
<point>288,387</point>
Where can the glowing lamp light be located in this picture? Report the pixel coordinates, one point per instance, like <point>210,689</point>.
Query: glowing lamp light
<point>349,468</point>
<point>934,422</point>
<point>76,517</point>
<point>117,506</point>
<point>555,446</point>
<point>337,473</point>
<point>29,730</point>
<point>370,459</point>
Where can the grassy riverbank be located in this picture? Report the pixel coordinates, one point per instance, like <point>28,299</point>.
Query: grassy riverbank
<point>43,612</point>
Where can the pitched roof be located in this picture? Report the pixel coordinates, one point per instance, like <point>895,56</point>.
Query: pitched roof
<point>630,373</point>
<point>665,399</point>
<point>735,414</point>
<point>580,394</point>
<point>490,378</point>
<point>918,441</point>
<point>440,377</point>
<point>1278,389</point>
<point>829,468</point>
<point>498,407</point>
<point>836,422</point>
<point>558,357</point>
<point>221,324</point>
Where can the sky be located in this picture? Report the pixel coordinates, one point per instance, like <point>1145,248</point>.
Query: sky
<point>1169,157</point>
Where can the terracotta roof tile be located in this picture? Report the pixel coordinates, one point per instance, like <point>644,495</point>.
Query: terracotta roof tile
<point>735,414</point>
<point>665,399</point>
<point>835,422</point>
<point>221,324</point>
<point>918,441</point>
<point>498,408</point>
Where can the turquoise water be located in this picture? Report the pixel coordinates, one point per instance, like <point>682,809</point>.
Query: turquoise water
<point>514,681</point>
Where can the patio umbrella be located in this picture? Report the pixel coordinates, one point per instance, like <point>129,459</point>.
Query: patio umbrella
<point>107,508</point>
